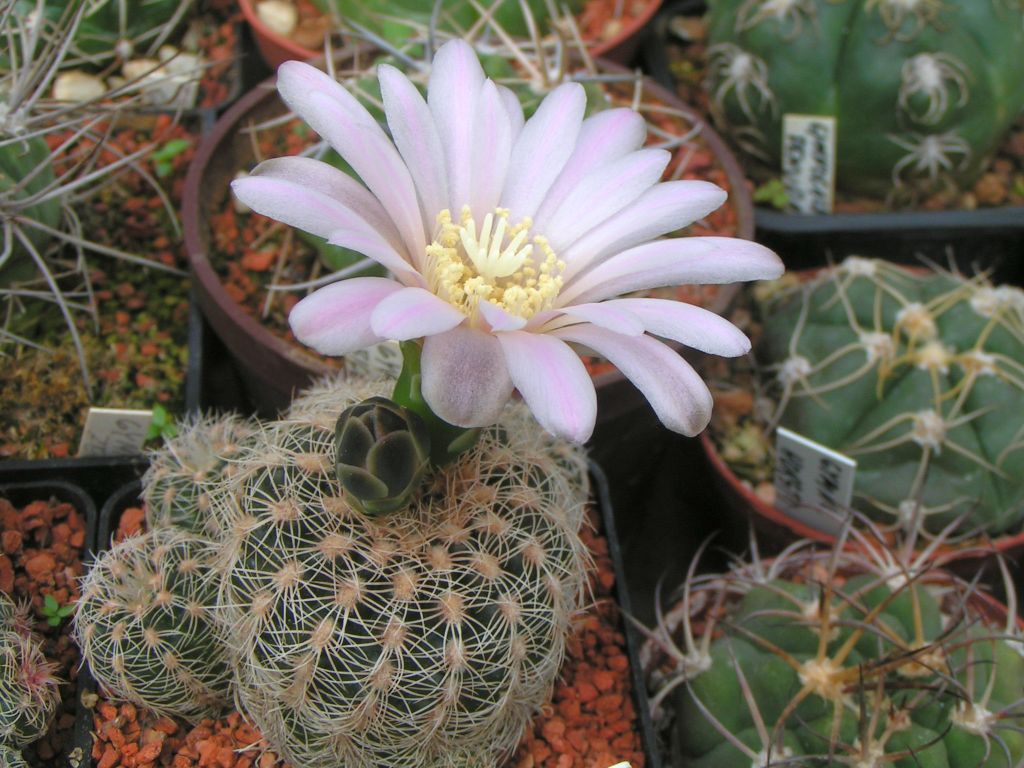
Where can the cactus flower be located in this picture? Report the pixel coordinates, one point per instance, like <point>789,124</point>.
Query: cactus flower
<point>507,240</point>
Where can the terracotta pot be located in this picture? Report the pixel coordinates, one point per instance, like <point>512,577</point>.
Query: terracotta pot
<point>277,49</point>
<point>622,48</point>
<point>273,47</point>
<point>272,368</point>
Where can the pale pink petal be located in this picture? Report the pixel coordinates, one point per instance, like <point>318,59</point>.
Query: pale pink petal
<point>465,377</point>
<point>675,261</point>
<point>602,194</point>
<point>686,323</point>
<point>604,137</point>
<point>335,320</point>
<point>513,108</point>
<point>413,312</point>
<point>376,161</point>
<point>499,319</point>
<point>415,135</point>
<point>554,383</point>
<point>662,209</point>
<point>352,131</point>
<point>336,184</point>
<point>603,314</point>
<point>297,205</point>
<point>542,149</point>
<point>677,394</point>
<point>492,144</point>
<point>453,95</point>
<point>373,246</point>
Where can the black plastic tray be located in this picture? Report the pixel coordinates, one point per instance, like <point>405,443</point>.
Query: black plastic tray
<point>21,493</point>
<point>129,495</point>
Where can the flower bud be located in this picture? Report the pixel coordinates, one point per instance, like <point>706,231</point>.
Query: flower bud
<point>383,451</point>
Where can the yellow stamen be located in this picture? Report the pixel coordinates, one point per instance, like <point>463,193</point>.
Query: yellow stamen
<point>498,262</point>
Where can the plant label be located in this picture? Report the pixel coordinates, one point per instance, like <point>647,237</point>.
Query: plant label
<point>114,432</point>
<point>809,162</point>
<point>813,484</point>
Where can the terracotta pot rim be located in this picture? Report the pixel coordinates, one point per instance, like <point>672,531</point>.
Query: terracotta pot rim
<point>302,53</point>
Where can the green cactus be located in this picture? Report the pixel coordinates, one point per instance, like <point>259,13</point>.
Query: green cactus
<point>835,658</point>
<point>188,467</point>
<point>145,625</point>
<point>426,638</point>
<point>28,689</point>
<point>918,376</point>
<point>922,90</point>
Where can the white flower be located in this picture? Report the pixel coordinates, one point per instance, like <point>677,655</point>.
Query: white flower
<point>507,241</point>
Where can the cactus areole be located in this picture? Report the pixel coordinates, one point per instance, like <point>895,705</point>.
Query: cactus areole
<point>922,90</point>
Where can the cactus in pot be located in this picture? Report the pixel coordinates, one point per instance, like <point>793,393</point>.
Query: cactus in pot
<point>405,639</point>
<point>917,376</point>
<point>837,658</point>
<point>922,90</point>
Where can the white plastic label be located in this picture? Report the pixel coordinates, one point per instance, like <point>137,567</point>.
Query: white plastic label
<point>114,432</point>
<point>813,484</point>
<point>809,162</point>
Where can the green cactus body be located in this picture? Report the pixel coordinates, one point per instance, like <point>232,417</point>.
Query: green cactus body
<point>145,624</point>
<point>919,376</point>
<point>26,171</point>
<point>922,90</point>
<point>868,671</point>
<point>28,689</point>
<point>427,638</point>
<point>188,468</point>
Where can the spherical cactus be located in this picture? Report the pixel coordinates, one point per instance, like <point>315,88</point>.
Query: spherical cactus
<point>188,467</point>
<point>919,377</point>
<point>28,689</point>
<point>922,90</point>
<point>828,659</point>
<point>420,639</point>
<point>383,450</point>
<point>145,625</point>
<point>14,617</point>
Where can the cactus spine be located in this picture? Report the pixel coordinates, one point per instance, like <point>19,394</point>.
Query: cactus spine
<point>145,625</point>
<point>923,90</point>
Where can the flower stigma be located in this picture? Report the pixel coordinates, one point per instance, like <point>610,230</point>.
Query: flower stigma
<point>498,262</point>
